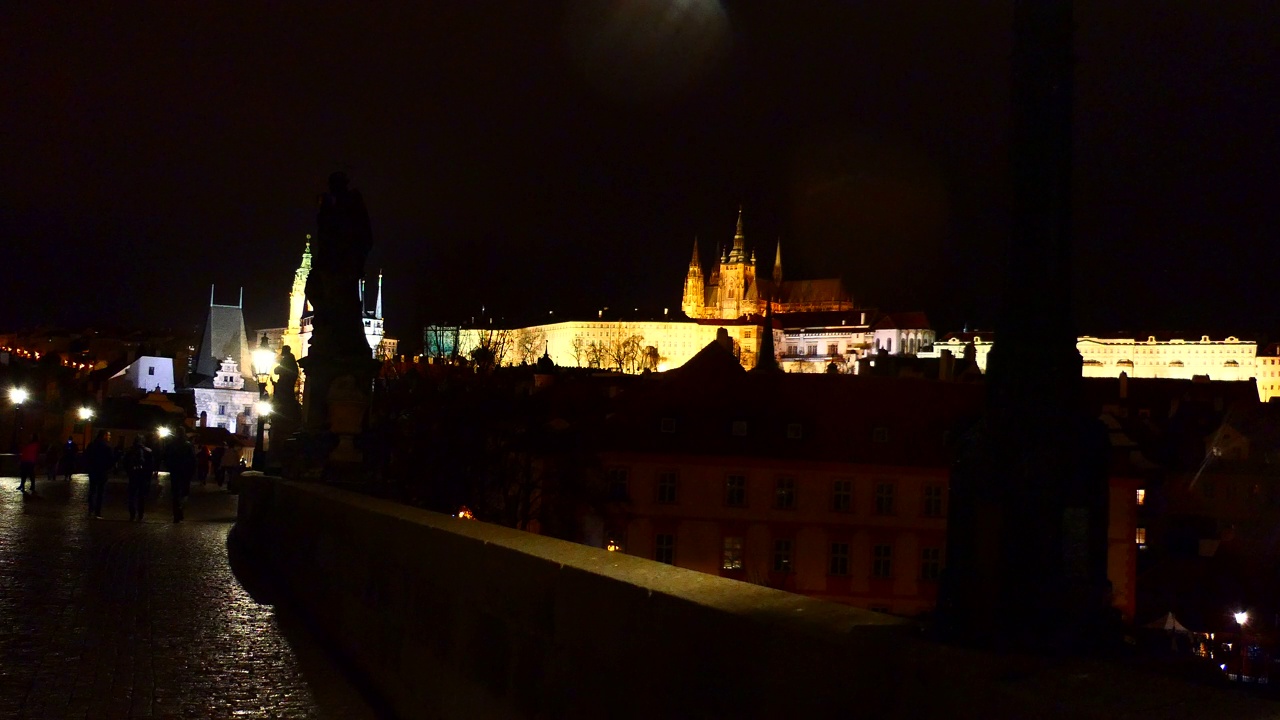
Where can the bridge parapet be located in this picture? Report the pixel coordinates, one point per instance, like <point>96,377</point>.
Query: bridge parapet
<point>449,618</point>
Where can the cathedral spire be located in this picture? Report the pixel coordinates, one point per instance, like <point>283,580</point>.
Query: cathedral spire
<point>377,312</point>
<point>777,263</point>
<point>695,262</point>
<point>738,254</point>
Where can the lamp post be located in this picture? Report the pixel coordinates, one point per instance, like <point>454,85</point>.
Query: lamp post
<point>263,359</point>
<point>17,396</point>
<point>86,417</point>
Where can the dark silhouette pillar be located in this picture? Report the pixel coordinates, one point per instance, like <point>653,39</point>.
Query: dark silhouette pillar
<point>1027,531</point>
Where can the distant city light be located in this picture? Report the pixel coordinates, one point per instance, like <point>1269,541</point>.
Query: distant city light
<point>464,513</point>
<point>85,413</point>
<point>18,395</point>
<point>613,546</point>
<point>163,431</point>
<point>1241,618</point>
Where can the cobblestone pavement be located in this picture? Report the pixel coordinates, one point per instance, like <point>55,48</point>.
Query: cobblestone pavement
<point>113,619</point>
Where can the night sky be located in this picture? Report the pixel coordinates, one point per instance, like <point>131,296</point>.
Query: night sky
<point>535,156</point>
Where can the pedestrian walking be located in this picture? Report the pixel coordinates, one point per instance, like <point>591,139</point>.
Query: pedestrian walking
<point>137,466</point>
<point>69,453</point>
<point>28,456</point>
<point>99,458</point>
<point>180,459</point>
<point>229,465</point>
<point>219,475</point>
<point>202,464</point>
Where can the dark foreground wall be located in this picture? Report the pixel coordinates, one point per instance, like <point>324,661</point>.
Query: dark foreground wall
<point>450,618</point>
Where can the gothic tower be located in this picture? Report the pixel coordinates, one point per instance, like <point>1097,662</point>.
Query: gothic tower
<point>733,276</point>
<point>298,303</point>
<point>694,286</point>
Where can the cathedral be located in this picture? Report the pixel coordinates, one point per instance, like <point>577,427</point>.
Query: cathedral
<point>734,290</point>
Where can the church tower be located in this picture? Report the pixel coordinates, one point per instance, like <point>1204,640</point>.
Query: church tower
<point>298,303</point>
<point>694,286</point>
<point>733,276</point>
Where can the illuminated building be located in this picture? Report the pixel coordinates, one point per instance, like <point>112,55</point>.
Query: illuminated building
<point>625,345</point>
<point>146,374</point>
<point>1155,357</point>
<point>225,395</point>
<point>733,290</point>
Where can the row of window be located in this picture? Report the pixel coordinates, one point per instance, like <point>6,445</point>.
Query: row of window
<point>882,557</point>
<point>785,493</point>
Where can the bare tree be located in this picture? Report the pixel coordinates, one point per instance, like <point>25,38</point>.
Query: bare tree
<point>530,344</point>
<point>579,350</point>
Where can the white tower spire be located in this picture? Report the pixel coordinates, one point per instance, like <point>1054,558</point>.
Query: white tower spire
<point>377,312</point>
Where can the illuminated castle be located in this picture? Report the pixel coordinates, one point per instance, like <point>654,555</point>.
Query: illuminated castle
<point>733,290</point>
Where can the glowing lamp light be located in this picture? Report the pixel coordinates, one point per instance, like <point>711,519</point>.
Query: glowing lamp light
<point>18,395</point>
<point>613,546</point>
<point>85,414</point>
<point>263,357</point>
<point>464,513</point>
<point>1241,618</point>
<point>163,431</point>
<point>263,407</point>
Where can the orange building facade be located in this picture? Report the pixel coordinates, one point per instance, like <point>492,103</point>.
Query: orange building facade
<point>834,487</point>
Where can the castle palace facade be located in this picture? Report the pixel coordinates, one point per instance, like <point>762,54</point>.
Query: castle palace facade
<point>734,290</point>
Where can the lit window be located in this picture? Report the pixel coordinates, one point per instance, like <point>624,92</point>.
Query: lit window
<point>1141,536</point>
<point>930,563</point>
<point>785,495</point>
<point>1142,496</point>
<point>839,559</point>
<point>735,491</point>
<point>782,556</point>
<point>842,495</point>
<point>884,498</point>
<point>664,548</point>
<point>732,554</point>
<point>882,561</point>
<point>667,487</point>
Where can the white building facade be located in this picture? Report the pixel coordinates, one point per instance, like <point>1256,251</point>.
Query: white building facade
<point>147,374</point>
<point>228,401</point>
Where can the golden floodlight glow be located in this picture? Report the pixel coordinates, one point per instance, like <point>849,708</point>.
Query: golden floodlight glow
<point>18,395</point>
<point>464,513</point>
<point>263,407</point>
<point>85,413</point>
<point>613,546</point>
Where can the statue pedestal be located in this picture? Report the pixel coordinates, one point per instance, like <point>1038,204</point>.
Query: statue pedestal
<point>334,407</point>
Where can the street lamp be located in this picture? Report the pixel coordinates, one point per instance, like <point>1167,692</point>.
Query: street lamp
<point>263,359</point>
<point>17,396</point>
<point>85,414</point>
